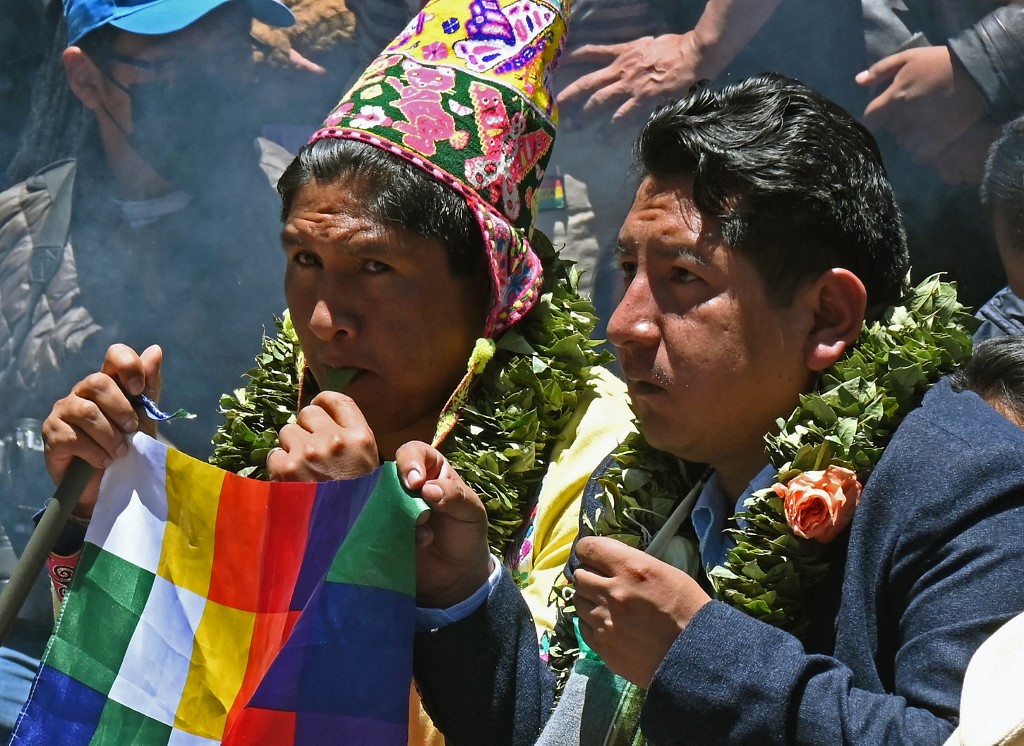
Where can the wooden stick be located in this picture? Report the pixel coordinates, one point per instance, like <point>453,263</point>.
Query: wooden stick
<point>40,544</point>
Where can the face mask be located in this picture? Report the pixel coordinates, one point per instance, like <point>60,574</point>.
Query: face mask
<point>192,129</point>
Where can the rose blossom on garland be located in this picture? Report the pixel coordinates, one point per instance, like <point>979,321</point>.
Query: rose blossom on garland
<point>820,504</point>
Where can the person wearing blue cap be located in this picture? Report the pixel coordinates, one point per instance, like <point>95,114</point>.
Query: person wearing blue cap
<point>158,17</point>
<point>160,229</point>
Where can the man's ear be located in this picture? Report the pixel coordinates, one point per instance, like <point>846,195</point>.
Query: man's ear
<point>83,77</point>
<point>839,300</point>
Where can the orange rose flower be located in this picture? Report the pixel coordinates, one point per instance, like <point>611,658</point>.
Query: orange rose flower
<point>820,504</point>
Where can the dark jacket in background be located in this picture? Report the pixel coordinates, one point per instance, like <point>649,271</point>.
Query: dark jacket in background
<point>988,40</point>
<point>1001,316</point>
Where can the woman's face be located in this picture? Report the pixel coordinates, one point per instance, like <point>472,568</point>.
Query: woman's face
<point>382,300</point>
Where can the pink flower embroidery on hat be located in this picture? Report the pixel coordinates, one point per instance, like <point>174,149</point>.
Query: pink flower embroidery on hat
<point>371,116</point>
<point>435,51</point>
<point>338,114</point>
<point>427,122</point>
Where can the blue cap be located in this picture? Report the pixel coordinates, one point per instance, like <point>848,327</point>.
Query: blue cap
<point>151,17</point>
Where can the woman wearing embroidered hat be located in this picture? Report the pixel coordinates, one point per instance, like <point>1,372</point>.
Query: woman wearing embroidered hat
<point>415,282</point>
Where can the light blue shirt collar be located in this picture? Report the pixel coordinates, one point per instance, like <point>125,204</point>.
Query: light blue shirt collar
<point>713,508</point>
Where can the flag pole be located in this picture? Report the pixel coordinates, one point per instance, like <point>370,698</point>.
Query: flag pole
<point>55,516</point>
<point>53,520</point>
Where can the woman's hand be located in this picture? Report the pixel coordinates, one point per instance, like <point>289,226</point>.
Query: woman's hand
<point>452,557</point>
<point>94,421</point>
<point>329,440</point>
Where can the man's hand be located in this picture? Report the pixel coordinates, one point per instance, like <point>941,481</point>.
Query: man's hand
<point>633,77</point>
<point>631,606</point>
<point>329,440</point>
<point>929,102</point>
<point>452,559</point>
<point>93,421</point>
<point>302,62</point>
<point>636,76</point>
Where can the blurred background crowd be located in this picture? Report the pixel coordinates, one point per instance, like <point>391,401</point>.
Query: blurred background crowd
<point>934,80</point>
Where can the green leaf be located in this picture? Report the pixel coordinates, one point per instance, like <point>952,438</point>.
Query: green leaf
<point>514,342</point>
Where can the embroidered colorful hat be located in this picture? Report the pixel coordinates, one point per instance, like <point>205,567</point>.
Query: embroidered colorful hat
<point>464,94</point>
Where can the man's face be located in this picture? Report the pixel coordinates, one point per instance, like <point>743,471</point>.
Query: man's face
<point>709,362</point>
<point>382,300</point>
<point>218,44</point>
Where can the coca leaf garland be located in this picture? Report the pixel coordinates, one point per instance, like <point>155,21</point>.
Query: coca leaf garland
<point>847,421</point>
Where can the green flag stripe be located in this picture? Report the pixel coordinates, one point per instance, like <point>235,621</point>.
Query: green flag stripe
<point>121,725</point>
<point>380,549</point>
<point>97,625</point>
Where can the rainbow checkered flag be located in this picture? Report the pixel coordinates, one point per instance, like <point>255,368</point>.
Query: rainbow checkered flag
<point>210,608</point>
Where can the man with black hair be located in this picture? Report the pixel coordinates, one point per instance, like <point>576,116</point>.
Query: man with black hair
<point>857,520</point>
<point>1002,194</point>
